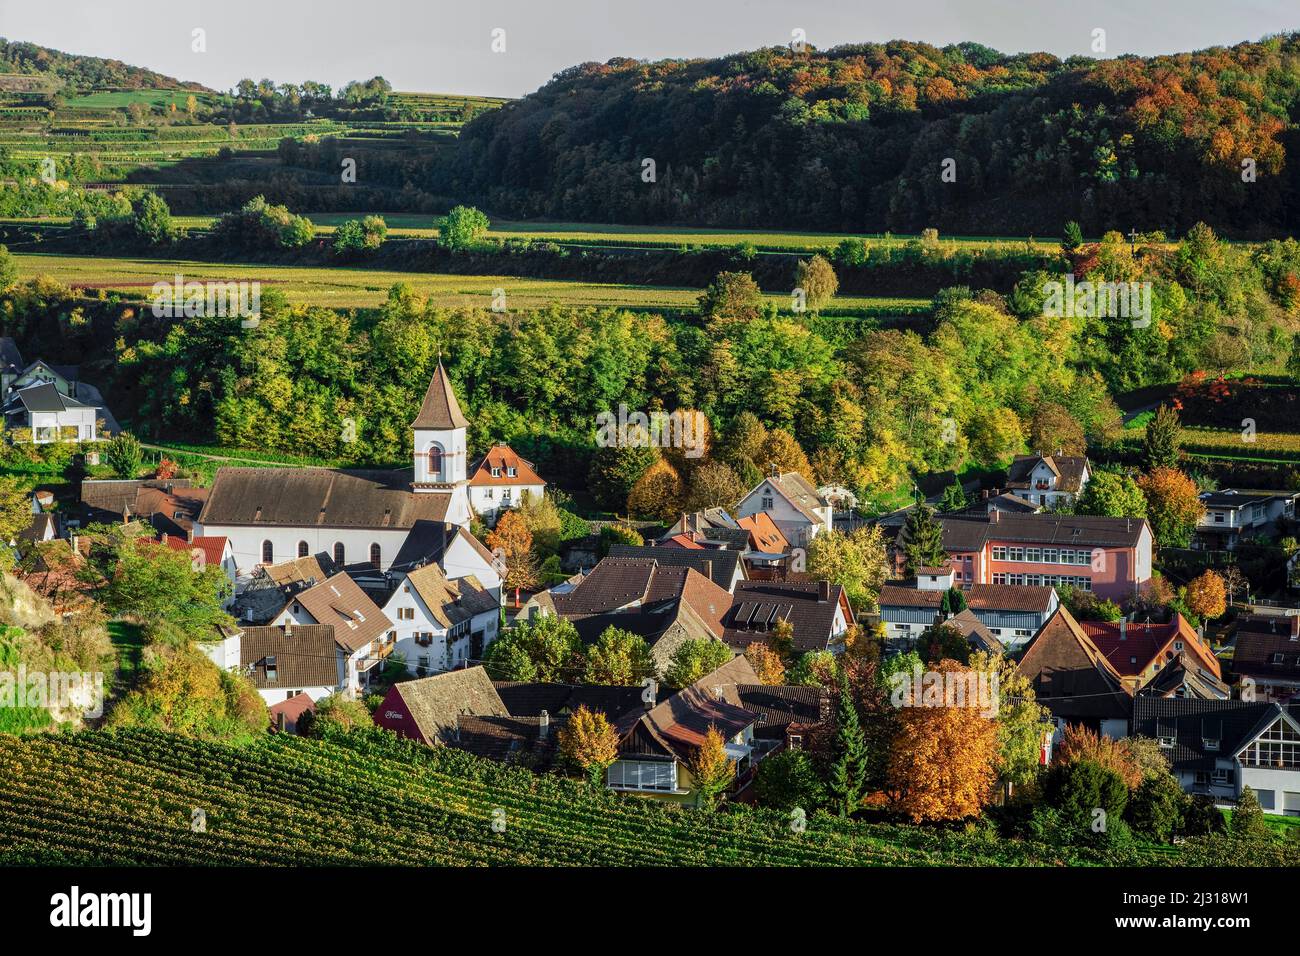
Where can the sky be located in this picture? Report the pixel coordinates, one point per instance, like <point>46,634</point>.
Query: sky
<point>442,47</point>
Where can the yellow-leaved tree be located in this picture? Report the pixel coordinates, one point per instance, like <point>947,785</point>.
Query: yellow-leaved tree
<point>587,741</point>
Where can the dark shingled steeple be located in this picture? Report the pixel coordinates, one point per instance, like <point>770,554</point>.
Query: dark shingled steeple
<point>440,408</point>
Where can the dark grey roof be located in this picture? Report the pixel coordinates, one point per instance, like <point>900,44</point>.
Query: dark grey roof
<point>717,565</point>
<point>758,605</point>
<point>45,397</point>
<point>1231,499</point>
<point>779,706</point>
<point>321,497</point>
<point>529,699</point>
<point>962,532</point>
<point>1190,723</point>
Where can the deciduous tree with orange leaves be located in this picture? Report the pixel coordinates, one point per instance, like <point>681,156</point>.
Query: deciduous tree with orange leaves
<point>710,767</point>
<point>512,542</point>
<point>1207,596</point>
<point>941,760</point>
<point>1173,507</point>
<point>588,741</point>
<point>766,663</point>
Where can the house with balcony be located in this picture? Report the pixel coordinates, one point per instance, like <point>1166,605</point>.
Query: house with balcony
<point>1048,481</point>
<point>439,623</point>
<point>657,746</point>
<point>1217,747</point>
<point>1232,516</point>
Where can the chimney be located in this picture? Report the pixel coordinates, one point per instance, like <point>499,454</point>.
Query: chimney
<point>1128,524</point>
<point>1123,629</point>
<point>543,725</point>
<point>189,534</point>
<point>648,695</point>
<point>708,569</point>
<point>994,515</point>
<point>823,591</point>
<point>771,469</point>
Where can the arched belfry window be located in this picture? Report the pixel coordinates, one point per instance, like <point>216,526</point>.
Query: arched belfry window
<point>338,553</point>
<point>268,553</point>
<point>435,463</point>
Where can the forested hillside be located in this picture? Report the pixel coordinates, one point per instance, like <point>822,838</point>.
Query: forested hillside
<point>853,138</point>
<point>71,71</point>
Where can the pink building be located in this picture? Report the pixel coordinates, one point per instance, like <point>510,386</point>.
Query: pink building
<point>1109,556</point>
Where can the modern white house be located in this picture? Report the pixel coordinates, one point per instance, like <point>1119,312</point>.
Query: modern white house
<point>1218,747</point>
<point>364,519</point>
<point>792,503</point>
<point>440,623</point>
<point>500,480</point>
<point>51,415</point>
<point>1052,481</point>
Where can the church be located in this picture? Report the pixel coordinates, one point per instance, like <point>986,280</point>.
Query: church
<point>367,521</point>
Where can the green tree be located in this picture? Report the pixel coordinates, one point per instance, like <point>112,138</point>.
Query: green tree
<point>158,587</point>
<point>858,561</point>
<point>1160,447</point>
<point>817,278</point>
<point>334,714</point>
<point>547,649</point>
<point>954,498</point>
<point>8,270</point>
<point>151,220</point>
<point>1248,817</point>
<point>1112,494</point>
<point>618,657</point>
<point>849,754</point>
<point>124,455</point>
<point>923,535</point>
<point>694,658</point>
<point>1081,787</point>
<point>732,298</point>
<point>15,516</point>
<point>1073,237</point>
<point>462,228</point>
<point>1156,807</point>
<point>1292,359</point>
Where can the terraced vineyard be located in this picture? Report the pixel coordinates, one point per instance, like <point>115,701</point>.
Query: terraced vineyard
<point>129,797</point>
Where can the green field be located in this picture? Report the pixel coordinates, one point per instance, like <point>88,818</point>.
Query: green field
<point>417,225</point>
<point>129,798</point>
<point>357,287</point>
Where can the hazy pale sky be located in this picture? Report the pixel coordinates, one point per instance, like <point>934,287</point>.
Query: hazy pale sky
<point>437,46</point>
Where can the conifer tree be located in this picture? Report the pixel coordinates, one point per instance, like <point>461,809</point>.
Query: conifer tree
<point>849,769</point>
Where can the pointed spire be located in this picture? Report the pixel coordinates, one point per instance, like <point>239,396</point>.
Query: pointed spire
<point>440,408</point>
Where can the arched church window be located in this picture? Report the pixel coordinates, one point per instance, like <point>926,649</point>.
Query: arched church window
<point>338,552</point>
<point>435,463</point>
<point>268,553</point>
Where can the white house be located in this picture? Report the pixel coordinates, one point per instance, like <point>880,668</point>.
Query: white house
<point>289,660</point>
<point>360,628</point>
<point>499,480</point>
<point>441,623</point>
<point>51,415</point>
<point>364,519</point>
<point>1052,481</point>
<point>791,501</point>
<point>1218,747</point>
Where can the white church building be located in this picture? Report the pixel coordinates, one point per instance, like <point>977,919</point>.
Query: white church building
<point>365,520</point>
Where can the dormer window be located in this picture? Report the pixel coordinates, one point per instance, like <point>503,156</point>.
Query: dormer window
<point>510,471</point>
<point>496,472</point>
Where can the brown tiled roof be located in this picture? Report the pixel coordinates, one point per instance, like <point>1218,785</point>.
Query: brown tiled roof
<point>1065,530</point>
<point>305,656</point>
<point>315,568</point>
<point>1071,677</point>
<point>780,706</point>
<point>800,492</point>
<point>338,601</point>
<point>503,458</point>
<point>973,629</point>
<point>984,597</point>
<point>118,496</point>
<point>437,703</point>
<point>757,605</point>
<point>440,408</point>
<point>320,497</point>
<point>508,739</point>
<point>615,583</point>
<point>450,602</point>
<point>530,698</point>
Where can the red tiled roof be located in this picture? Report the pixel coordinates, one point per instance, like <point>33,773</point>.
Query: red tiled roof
<point>503,458</point>
<point>213,546</point>
<point>1143,643</point>
<point>764,535</point>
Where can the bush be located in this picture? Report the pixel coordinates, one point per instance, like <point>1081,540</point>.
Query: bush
<point>1156,807</point>
<point>259,225</point>
<point>788,780</point>
<point>1080,788</point>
